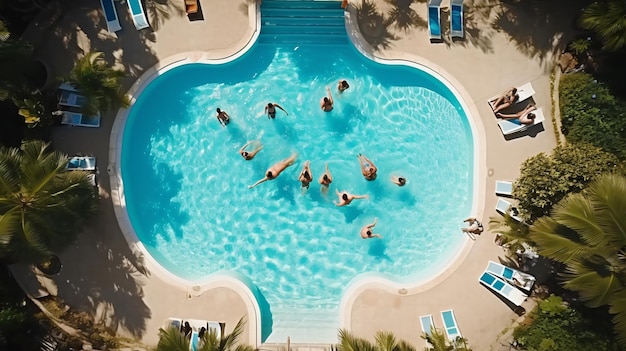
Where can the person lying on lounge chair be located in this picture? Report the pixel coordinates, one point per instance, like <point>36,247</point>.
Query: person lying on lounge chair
<point>250,155</point>
<point>366,231</point>
<point>525,117</point>
<point>345,198</point>
<point>475,226</point>
<point>505,100</point>
<point>276,169</point>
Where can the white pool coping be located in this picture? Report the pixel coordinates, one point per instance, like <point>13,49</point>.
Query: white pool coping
<point>231,281</point>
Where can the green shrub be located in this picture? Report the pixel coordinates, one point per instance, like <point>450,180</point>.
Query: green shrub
<point>557,327</point>
<point>546,179</point>
<point>591,114</point>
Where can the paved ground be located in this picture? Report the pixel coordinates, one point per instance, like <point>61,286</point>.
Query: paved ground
<point>505,45</point>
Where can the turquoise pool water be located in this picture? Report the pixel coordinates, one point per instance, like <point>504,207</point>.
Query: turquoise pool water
<point>186,186</point>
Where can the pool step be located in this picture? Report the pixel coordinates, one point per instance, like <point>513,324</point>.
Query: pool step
<point>302,22</point>
<point>313,327</point>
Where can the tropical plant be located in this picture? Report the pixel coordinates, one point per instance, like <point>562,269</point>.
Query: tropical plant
<point>608,19</point>
<point>579,46</point>
<point>99,83</point>
<point>210,341</point>
<point>587,232</point>
<point>546,179</point>
<point>171,339</point>
<point>513,233</point>
<point>436,340</point>
<point>42,205</point>
<point>591,114</point>
<point>385,341</point>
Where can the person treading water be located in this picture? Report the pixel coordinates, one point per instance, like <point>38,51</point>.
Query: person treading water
<point>366,231</point>
<point>305,176</point>
<point>326,179</point>
<point>270,109</point>
<point>276,169</point>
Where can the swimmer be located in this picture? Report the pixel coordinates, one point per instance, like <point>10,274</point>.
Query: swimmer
<point>326,103</point>
<point>326,178</point>
<point>276,169</point>
<point>305,176</point>
<point>342,86</point>
<point>250,155</point>
<point>345,198</point>
<point>222,117</point>
<point>270,109</point>
<point>399,181</point>
<point>366,231</point>
<point>475,226</point>
<point>367,167</point>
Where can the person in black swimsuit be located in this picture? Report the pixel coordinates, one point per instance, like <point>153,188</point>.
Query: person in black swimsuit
<point>270,109</point>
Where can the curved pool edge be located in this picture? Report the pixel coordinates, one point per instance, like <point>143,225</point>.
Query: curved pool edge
<point>239,284</point>
<point>364,282</point>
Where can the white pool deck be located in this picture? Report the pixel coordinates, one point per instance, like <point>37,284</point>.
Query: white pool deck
<point>102,274</point>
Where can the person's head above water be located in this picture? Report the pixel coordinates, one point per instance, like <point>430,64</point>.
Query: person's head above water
<point>218,110</point>
<point>269,174</point>
<point>344,84</point>
<point>325,177</point>
<point>402,181</point>
<point>269,104</point>
<point>344,197</point>
<point>325,99</point>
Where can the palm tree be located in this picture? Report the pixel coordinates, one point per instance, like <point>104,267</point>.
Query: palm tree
<point>171,339</point>
<point>608,19</point>
<point>587,232</point>
<point>210,341</point>
<point>514,234</point>
<point>42,205</point>
<point>436,341</point>
<point>385,341</point>
<point>99,83</point>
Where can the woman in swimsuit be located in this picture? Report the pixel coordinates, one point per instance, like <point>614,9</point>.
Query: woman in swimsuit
<point>399,181</point>
<point>367,167</point>
<point>270,110</point>
<point>505,100</point>
<point>524,117</point>
<point>342,86</point>
<point>276,169</point>
<point>366,231</point>
<point>326,103</point>
<point>475,226</point>
<point>305,176</point>
<point>250,155</point>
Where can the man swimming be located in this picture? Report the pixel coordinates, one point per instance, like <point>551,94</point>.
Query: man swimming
<point>270,110</point>
<point>366,231</point>
<point>305,176</point>
<point>345,198</point>
<point>342,86</point>
<point>368,169</point>
<point>276,169</point>
<point>250,155</point>
<point>222,117</point>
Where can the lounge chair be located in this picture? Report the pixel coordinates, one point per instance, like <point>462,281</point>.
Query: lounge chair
<point>512,276</point>
<point>71,99</point>
<point>456,19</point>
<point>67,86</point>
<point>191,6</point>
<point>138,14</point>
<point>504,206</point>
<point>83,163</point>
<point>110,14</point>
<point>502,288</point>
<point>449,324</point>
<point>523,92</point>
<point>175,323</point>
<point>504,187</point>
<point>510,126</point>
<point>434,19</point>
<point>80,120</point>
<point>427,324</point>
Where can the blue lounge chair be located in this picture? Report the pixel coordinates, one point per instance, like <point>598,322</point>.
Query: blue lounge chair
<point>71,99</point>
<point>504,206</point>
<point>84,163</point>
<point>502,288</point>
<point>110,14</point>
<point>456,19</point>
<point>434,19</point>
<point>512,276</point>
<point>193,345</point>
<point>449,324</point>
<point>504,187</point>
<point>427,324</point>
<point>80,120</point>
<point>139,16</point>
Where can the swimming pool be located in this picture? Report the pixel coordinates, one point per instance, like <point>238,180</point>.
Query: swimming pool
<point>186,186</point>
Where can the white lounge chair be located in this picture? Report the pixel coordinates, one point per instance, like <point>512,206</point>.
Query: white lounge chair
<point>138,14</point>
<point>456,19</point>
<point>504,187</point>
<point>510,126</point>
<point>523,92</point>
<point>502,288</point>
<point>110,14</point>
<point>434,19</point>
<point>504,206</point>
<point>449,323</point>
<point>71,99</point>
<point>427,324</point>
<point>80,120</point>
<point>82,163</point>
<point>512,276</point>
<point>176,323</point>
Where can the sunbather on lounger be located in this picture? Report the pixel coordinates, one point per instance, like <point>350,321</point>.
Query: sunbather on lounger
<point>275,170</point>
<point>475,227</point>
<point>505,100</point>
<point>250,155</point>
<point>345,198</point>
<point>366,231</point>
<point>525,116</point>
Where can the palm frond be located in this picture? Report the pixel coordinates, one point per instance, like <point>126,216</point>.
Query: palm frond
<point>596,283</point>
<point>385,341</point>
<point>171,339</point>
<point>618,309</point>
<point>556,241</point>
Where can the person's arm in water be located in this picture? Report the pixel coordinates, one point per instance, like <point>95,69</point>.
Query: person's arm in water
<point>220,120</point>
<point>243,148</point>
<point>330,96</point>
<point>280,107</point>
<point>373,224</point>
<point>258,182</point>
<point>366,196</point>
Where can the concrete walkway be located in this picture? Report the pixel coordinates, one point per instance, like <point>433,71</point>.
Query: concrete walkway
<point>504,46</point>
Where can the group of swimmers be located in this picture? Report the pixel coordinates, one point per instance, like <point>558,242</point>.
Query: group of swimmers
<point>507,99</point>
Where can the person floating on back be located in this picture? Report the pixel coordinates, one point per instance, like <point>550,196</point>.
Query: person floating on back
<point>343,85</point>
<point>250,155</point>
<point>222,117</point>
<point>326,103</point>
<point>276,169</point>
<point>366,231</point>
<point>270,110</point>
<point>367,167</point>
<point>345,198</point>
